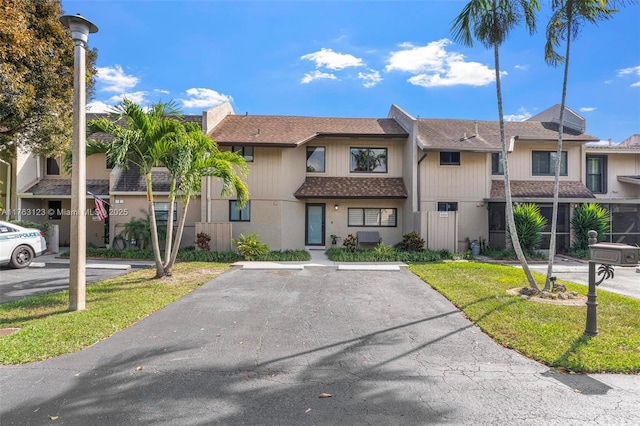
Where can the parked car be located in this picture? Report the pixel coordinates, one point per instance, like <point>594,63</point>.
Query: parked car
<point>19,245</point>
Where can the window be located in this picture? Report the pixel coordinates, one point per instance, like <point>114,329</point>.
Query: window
<point>497,165</point>
<point>162,212</point>
<point>239,215</point>
<point>449,158</point>
<point>368,160</point>
<point>245,151</point>
<point>447,206</point>
<point>544,163</point>
<point>53,168</point>
<point>597,173</point>
<point>372,217</point>
<point>315,159</point>
<point>55,210</point>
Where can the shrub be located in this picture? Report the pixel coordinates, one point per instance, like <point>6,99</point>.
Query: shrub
<point>350,243</point>
<point>202,241</point>
<point>586,217</point>
<point>529,225</point>
<point>249,247</point>
<point>412,242</point>
<point>384,252</point>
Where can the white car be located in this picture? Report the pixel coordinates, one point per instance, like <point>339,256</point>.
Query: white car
<point>19,245</point>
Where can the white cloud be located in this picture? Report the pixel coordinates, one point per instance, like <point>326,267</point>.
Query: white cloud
<point>161,91</point>
<point>521,67</point>
<point>327,58</point>
<point>98,107</point>
<point>433,66</point>
<point>317,75</point>
<point>370,79</point>
<point>458,73</point>
<point>587,109</point>
<point>633,71</point>
<point>522,115</point>
<point>204,98</point>
<point>419,59</point>
<point>139,97</point>
<point>115,79</point>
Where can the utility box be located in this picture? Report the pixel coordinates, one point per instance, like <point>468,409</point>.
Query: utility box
<point>614,254</point>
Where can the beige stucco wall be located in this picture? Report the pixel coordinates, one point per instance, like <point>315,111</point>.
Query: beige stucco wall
<point>39,208</point>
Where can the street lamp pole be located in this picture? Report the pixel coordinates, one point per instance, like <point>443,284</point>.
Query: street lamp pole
<point>80,29</point>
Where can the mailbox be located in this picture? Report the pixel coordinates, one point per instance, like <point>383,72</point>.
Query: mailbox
<point>614,254</point>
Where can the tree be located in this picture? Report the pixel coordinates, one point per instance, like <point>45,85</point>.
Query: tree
<point>199,158</point>
<point>566,20</point>
<point>36,78</point>
<point>143,139</point>
<point>490,21</point>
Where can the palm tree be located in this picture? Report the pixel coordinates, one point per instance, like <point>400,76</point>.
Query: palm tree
<point>566,19</point>
<point>490,21</point>
<point>202,158</point>
<point>142,140</point>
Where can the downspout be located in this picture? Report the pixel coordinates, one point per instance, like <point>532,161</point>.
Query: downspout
<point>7,208</point>
<point>424,155</point>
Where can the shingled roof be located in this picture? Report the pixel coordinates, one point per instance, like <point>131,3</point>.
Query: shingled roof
<point>540,189</point>
<point>478,135</point>
<point>50,188</point>
<point>351,187</point>
<point>130,180</point>
<point>291,131</point>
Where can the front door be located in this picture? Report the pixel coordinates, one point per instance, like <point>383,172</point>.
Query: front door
<point>314,232</point>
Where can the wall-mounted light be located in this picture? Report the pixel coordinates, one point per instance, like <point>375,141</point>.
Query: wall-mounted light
<point>336,207</point>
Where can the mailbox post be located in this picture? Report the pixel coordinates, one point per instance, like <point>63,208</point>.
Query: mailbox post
<point>608,255</point>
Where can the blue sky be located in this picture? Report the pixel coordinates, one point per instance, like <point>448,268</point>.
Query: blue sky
<point>353,59</point>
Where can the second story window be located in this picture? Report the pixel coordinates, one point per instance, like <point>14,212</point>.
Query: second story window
<point>449,158</point>
<point>368,160</point>
<point>245,151</point>
<point>497,165</point>
<point>53,167</point>
<point>315,159</point>
<point>543,163</point>
<point>597,173</point>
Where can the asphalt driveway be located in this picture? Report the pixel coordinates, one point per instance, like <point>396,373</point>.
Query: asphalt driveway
<point>263,347</point>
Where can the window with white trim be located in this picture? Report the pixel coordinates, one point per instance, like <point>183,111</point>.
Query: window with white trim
<point>368,160</point>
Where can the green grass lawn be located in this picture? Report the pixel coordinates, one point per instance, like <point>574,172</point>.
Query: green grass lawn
<point>48,329</point>
<point>549,333</point>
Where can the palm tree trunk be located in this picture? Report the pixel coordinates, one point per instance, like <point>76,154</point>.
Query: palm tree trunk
<point>154,227</point>
<point>556,185</point>
<point>507,183</point>
<point>169,236</point>
<point>176,244</point>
